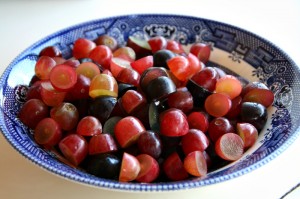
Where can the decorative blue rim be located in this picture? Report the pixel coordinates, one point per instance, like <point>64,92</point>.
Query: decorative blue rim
<point>264,56</point>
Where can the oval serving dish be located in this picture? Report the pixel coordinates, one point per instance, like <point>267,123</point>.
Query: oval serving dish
<point>233,49</point>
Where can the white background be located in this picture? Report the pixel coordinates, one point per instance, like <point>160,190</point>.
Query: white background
<point>24,22</point>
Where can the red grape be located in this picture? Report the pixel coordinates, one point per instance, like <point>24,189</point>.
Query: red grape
<point>36,106</point>
<point>47,132</point>
<point>43,67</point>
<point>217,104</point>
<point>230,146</point>
<point>200,117</point>
<point>89,126</point>
<point>63,77</point>
<point>82,48</point>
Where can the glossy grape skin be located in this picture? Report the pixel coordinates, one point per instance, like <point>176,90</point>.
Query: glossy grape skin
<point>217,104</point>
<point>106,107</point>
<point>261,96</point>
<point>142,64</point>
<point>255,114</point>
<point>229,85</point>
<point>150,74</point>
<point>86,59</point>
<point>34,91</point>
<point>195,164</point>
<point>59,60</point>
<point>110,124</point>
<point>132,101</point>
<point>198,120</point>
<point>88,69</point>
<point>161,57</point>
<point>194,140</point>
<point>159,88</point>
<point>198,92</point>
<point>181,99</point>
<point>133,128</point>
<point>130,168</point>
<point>104,166</point>
<point>72,62</point>
<point>195,65</point>
<point>236,105</point>
<point>123,88</point>
<point>126,53</point>
<point>66,115</point>
<point>201,50</point>
<point>47,132</point>
<point>149,143</point>
<point>157,43</point>
<point>102,143</point>
<point>50,51</point>
<point>179,66</point>
<point>82,48</point>
<point>253,85</point>
<point>80,90</point>
<point>219,126</point>
<point>149,168</point>
<point>102,107</point>
<point>129,76</point>
<point>89,126</point>
<point>248,133</point>
<point>102,55</point>
<point>36,106</point>
<point>103,85</point>
<point>50,96</point>
<point>108,41</point>
<point>175,47</point>
<point>43,67</point>
<point>140,46</point>
<point>173,122</point>
<point>74,148</point>
<point>207,78</point>
<point>173,168</point>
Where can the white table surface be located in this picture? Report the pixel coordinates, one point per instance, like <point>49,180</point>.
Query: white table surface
<point>25,22</point>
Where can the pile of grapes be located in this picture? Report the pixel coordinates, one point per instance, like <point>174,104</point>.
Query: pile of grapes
<point>148,111</point>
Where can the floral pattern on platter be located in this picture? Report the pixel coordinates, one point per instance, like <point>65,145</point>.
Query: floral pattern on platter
<point>269,65</point>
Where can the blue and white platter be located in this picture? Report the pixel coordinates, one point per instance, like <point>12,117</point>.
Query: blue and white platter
<point>233,48</point>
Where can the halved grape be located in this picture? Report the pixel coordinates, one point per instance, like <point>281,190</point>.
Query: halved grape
<point>88,69</point>
<point>161,57</point>
<point>89,126</point>
<point>230,146</point>
<point>104,166</point>
<point>217,104</point>
<point>159,88</point>
<point>63,77</point>
<point>47,132</point>
<point>66,115</point>
<point>255,114</point>
<point>43,67</point>
<point>229,85</point>
<point>50,95</point>
<point>108,41</point>
<point>103,85</point>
